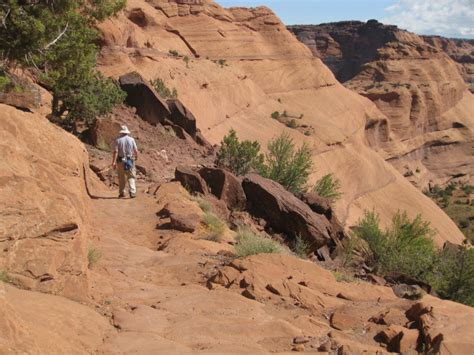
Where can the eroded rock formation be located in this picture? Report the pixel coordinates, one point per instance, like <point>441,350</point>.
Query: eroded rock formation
<point>414,81</point>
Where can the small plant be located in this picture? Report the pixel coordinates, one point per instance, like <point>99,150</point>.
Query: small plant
<point>215,226</point>
<point>275,115</point>
<point>161,88</point>
<point>342,276</point>
<point>4,276</point>
<point>186,60</point>
<point>307,133</point>
<point>292,123</point>
<point>203,204</point>
<point>239,157</point>
<point>249,243</point>
<point>300,247</point>
<point>329,187</point>
<point>284,114</point>
<point>286,164</point>
<point>93,256</point>
<point>173,52</point>
<point>221,62</point>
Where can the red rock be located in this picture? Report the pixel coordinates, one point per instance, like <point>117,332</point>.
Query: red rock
<point>225,186</point>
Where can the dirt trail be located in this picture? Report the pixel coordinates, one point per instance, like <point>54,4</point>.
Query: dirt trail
<point>157,300</point>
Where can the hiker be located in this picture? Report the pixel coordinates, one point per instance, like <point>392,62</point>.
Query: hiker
<point>125,155</point>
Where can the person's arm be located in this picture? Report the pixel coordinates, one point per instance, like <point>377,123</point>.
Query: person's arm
<point>135,150</point>
<point>114,159</point>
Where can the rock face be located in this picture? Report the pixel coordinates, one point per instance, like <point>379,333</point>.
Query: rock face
<point>181,116</point>
<point>149,105</point>
<point>243,66</point>
<point>461,51</point>
<point>285,213</point>
<point>44,205</point>
<point>429,131</point>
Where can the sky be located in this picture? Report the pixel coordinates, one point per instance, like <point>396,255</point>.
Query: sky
<point>449,18</point>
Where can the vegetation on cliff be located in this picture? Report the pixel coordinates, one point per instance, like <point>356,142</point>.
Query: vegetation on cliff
<point>284,163</point>
<point>57,41</point>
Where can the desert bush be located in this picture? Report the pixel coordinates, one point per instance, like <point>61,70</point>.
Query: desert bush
<point>215,226</point>
<point>292,123</point>
<point>249,243</point>
<point>329,187</point>
<point>4,276</point>
<point>343,276</point>
<point>160,86</point>
<point>173,53</point>
<point>186,60</point>
<point>286,164</point>
<point>405,247</point>
<point>275,115</point>
<point>93,256</point>
<point>202,203</point>
<point>239,157</point>
<point>453,276</point>
<point>300,247</point>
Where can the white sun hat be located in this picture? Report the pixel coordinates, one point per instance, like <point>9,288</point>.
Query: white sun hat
<point>124,130</point>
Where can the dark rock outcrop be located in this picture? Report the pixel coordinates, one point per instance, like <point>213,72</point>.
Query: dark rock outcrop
<point>191,180</point>
<point>150,107</point>
<point>225,186</point>
<point>287,214</point>
<point>182,117</point>
<point>345,46</point>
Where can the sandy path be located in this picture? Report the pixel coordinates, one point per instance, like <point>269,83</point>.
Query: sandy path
<point>157,300</point>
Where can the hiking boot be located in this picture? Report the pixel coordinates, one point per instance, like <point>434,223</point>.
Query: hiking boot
<point>132,195</point>
<point>121,195</point>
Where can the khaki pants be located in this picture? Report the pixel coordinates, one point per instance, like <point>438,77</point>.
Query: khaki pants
<point>129,175</point>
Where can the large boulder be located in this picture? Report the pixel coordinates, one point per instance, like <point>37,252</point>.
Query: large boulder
<point>190,180</point>
<point>322,206</point>
<point>225,186</point>
<point>287,214</point>
<point>140,95</point>
<point>181,116</point>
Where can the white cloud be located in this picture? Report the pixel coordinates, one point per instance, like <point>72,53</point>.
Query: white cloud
<point>450,18</point>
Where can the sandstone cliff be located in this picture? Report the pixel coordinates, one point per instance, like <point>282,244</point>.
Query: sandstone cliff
<point>428,134</point>
<point>243,65</point>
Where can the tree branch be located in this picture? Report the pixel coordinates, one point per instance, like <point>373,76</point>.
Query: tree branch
<point>57,38</point>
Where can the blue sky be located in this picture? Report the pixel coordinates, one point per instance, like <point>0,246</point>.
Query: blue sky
<point>451,18</point>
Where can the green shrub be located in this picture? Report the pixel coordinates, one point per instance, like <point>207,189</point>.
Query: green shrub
<point>467,189</point>
<point>292,123</point>
<point>186,60</point>
<point>4,276</point>
<point>221,62</point>
<point>287,165</point>
<point>405,247</point>
<point>239,157</point>
<point>249,243</point>
<point>329,187</point>
<point>300,247</point>
<point>60,44</point>
<point>275,115</point>
<point>342,276</point>
<point>93,256</point>
<point>203,204</point>
<point>160,86</point>
<point>453,276</point>
<point>215,226</point>
<point>173,52</point>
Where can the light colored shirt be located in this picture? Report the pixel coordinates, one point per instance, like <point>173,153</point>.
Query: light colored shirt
<point>125,146</point>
